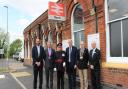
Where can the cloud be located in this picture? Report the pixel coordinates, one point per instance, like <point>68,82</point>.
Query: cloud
<point>14,36</point>
<point>31,7</point>
<point>23,22</point>
<point>3,2</point>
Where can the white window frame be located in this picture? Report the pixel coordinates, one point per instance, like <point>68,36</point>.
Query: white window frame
<point>108,57</point>
<point>72,23</point>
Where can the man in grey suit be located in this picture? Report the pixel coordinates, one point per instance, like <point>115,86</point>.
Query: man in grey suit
<point>49,65</point>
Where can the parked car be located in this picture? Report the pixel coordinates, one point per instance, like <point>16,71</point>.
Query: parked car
<point>16,56</point>
<point>19,56</point>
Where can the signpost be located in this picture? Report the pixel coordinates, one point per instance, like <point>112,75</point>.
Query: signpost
<point>65,44</point>
<point>56,11</point>
<point>94,38</point>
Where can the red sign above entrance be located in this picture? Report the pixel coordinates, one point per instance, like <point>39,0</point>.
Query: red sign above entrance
<point>56,11</point>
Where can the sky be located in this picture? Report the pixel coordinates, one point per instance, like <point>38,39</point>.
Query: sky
<point>20,14</point>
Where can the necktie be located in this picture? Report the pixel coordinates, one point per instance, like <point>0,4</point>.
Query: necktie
<point>93,52</point>
<point>70,54</point>
<point>49,52</point>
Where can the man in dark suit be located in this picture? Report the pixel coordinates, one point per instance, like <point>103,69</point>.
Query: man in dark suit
<point>38,55</point>
<point>71,61</point>
<point>49,65</point>
<point>94,62</point>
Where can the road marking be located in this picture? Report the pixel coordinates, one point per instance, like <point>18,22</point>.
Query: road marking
<point>21,74</point>
<point>18,81</point>
<point>2,76</point>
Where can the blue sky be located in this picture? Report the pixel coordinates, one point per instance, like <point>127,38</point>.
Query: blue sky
<point>21,14</point>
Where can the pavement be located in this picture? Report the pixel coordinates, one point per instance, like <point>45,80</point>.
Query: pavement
<point>21,77</point>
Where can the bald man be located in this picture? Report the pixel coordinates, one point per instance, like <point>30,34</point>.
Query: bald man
<point>94,61</point>
<point>38,55</point>
<point>71,61</point>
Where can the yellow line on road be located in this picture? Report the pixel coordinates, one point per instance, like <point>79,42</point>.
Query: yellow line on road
<point>21,74</point>
<point>23,87</point>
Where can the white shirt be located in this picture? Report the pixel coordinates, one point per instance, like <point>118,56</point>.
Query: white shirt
<point>93,51</point>
<point>38,50</point>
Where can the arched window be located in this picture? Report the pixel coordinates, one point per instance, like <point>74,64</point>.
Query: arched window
<point>77,25</point>
<point>117,30</point>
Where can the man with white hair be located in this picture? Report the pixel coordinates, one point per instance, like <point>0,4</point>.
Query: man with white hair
<point>71,61</point>
<point>94,61</point>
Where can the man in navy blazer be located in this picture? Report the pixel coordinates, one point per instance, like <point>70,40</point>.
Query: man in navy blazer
<point>38,54</point>
<point>71,61</point>
<point>94,61</point>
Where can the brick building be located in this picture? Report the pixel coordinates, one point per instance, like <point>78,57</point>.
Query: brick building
<point>85,17</point>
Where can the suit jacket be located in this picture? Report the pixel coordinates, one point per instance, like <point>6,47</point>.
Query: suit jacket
<point>83,63</point>
<point>60,59</point>
<point>35,55</point>
<point>50,63</point>
<point>95,60</point>
<point>73,61</point>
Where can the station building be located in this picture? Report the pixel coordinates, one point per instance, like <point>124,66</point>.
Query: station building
<point>108,18</point>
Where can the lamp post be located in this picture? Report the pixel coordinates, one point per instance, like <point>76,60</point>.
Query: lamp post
<point>7,17</point>
<point>7,31</point>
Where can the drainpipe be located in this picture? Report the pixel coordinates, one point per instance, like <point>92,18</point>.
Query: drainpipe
<point>96,15</point>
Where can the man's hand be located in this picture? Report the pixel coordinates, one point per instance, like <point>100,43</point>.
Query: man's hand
<point>38,63</point>
<point>91,66</point>
<point>55,69</point>
<point>64,64</point>
<point>75,67</point>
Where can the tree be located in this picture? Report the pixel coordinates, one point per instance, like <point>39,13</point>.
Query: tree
<point>4,41</point>
<point>15,46</point>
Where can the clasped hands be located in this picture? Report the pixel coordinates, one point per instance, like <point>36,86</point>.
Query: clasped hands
<point>38,64</point>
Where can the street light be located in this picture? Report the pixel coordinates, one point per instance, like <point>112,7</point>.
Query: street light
<point>7,17</point>
<point>7,31</point>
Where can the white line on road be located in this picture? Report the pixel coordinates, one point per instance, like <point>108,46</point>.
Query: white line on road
<point>18,81</point>
<point>2,76</point>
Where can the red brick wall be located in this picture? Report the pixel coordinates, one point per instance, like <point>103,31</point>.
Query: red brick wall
<point>111,76</point>
<point>108,75</point>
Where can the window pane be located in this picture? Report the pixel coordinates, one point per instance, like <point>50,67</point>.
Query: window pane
<point>78,18</point>
<point>76,39</point>
<point>115,39</point>
<point>117,9</point>
<point>125,37</point>
<point>81,35</point>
